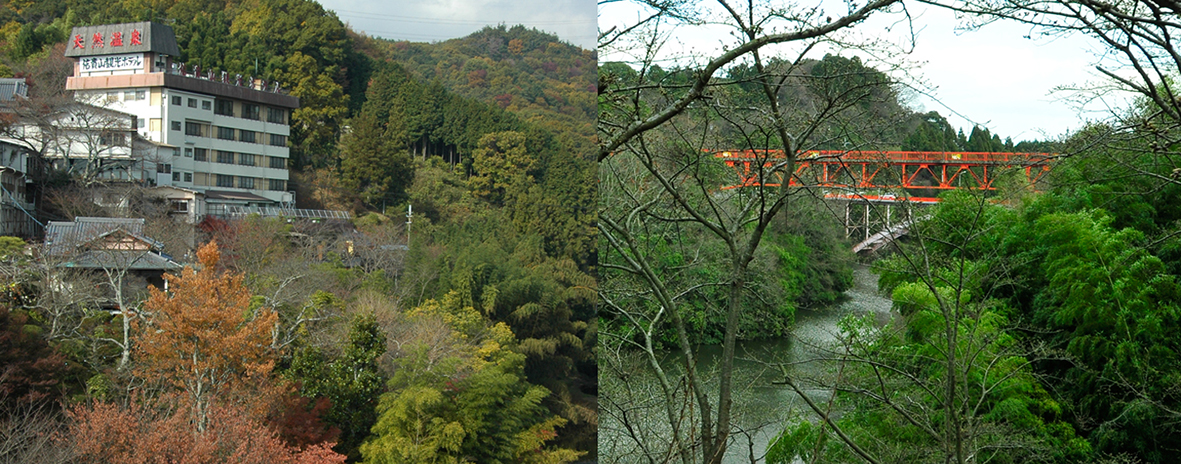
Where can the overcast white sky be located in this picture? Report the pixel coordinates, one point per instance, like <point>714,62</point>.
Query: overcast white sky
<point>572,21</point>
<point>992,76</point>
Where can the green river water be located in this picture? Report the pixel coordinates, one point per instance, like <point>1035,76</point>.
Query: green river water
<point>762,407</point>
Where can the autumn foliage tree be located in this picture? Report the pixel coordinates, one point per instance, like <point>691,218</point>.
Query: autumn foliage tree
<point>106,433</point>
<point>30,369</point>
<point>204,339</point>
<point>208,351</point>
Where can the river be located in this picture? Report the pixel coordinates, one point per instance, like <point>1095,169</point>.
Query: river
<point>762,408</point>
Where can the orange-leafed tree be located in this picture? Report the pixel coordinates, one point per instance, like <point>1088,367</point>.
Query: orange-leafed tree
<point>204,339</point>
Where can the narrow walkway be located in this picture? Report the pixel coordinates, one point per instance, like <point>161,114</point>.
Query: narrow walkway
<point>880,239</point>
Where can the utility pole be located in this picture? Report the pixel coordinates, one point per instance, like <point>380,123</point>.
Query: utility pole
<point>409,217</point>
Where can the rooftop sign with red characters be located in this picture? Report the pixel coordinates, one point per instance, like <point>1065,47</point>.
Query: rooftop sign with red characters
<point>114,39</point>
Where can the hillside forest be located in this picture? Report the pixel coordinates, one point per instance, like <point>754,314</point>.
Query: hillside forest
<point>464,336</point>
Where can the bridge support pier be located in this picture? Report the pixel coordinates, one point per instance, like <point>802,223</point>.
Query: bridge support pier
<point>861,223</point>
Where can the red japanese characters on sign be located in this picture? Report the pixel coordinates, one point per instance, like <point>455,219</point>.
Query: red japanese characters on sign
<point>116,39</point>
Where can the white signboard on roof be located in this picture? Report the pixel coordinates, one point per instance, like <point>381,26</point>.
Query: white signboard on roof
<point>111,62</point>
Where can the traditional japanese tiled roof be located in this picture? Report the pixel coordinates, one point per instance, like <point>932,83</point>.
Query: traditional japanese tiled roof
<point>12,87</point>
<point>77,242</point>
<point>122,259</point>
<point>62,237</point>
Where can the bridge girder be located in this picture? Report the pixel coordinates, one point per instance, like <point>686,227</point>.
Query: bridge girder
<point>860,170</point>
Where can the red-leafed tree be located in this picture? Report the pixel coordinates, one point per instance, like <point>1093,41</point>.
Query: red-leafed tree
<point>298,420</point>
<point>29,367</point>
<point>106,433</point>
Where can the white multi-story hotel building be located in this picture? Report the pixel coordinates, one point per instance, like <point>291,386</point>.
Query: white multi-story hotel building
<point>225,136</point>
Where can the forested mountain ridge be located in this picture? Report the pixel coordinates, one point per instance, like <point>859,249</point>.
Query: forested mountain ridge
<point>475,332</point>
<point>524,71</point>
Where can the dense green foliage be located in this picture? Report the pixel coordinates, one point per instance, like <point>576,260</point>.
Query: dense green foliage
<point>352,382</point>
<point>471,402</point>
<point>951,377</point>
<point>1084,294</point>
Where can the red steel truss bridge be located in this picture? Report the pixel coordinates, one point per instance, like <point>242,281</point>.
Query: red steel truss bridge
<point>859,171</point>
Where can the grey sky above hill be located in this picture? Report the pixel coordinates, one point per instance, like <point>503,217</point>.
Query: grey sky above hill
<point>573,21</point>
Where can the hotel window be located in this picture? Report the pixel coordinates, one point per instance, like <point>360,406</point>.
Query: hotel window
<point>250,111</point>
<point>223,107</point>
<point>246,182</point>
<point>200,154</point>
<point>225,181</point>
<point>278,140</point>
<point>246,136</point>
<point>225,133</point>
<point>277,115</point>
<point>225,157</point>
<point>278,163</point>
<point>246,159</point>
<point>176,100</point>
<point>197,129</point>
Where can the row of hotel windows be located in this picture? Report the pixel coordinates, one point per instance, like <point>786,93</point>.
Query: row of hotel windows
<point>226,108</point>
<point>223,180</point>
<point>227,133</point>
<point>228,157</point>
<point>128,95</point>
<point>219,106</point>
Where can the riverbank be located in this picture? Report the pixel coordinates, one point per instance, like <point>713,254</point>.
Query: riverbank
<point>762,407</point>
